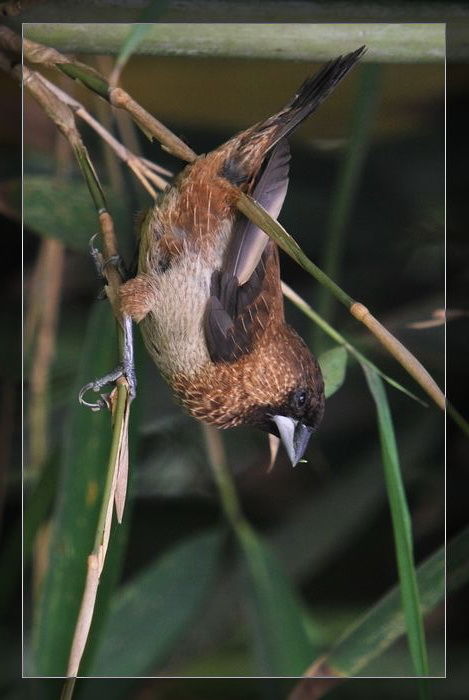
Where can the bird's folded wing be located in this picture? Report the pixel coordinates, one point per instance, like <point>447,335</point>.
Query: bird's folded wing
<point>248,240</point>
<point>241,294</point>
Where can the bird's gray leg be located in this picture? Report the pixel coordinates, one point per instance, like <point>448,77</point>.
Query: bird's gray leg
<point>126,367</point>
<point>101,264</point>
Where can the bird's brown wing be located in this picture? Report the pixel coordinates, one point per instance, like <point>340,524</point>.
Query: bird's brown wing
<point>248,241</point>
<point>244,290</point>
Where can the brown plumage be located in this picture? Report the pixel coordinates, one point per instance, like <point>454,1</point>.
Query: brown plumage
<point>208,296</point>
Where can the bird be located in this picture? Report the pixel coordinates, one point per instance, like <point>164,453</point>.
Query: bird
<point>207,294</point>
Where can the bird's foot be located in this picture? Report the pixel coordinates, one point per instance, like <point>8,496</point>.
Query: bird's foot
<point>125,369</point>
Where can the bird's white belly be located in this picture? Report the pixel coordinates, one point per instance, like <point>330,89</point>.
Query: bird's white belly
<point>173,330</point>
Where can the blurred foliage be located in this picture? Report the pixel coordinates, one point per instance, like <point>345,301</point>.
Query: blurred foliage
<point>326,523</point>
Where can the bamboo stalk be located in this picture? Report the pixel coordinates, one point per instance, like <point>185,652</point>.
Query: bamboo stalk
<point>399,43</point>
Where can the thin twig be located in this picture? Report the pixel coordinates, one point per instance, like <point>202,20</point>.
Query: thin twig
<point>98,556</point>
<point>151,126</point>
<point>37,53</point>
<point>137,165</point>
<point>105,118</point>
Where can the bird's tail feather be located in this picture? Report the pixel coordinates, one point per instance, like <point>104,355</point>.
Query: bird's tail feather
<point>310,95</point>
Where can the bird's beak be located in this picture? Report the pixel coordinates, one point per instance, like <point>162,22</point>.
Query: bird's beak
<point>295,436</point>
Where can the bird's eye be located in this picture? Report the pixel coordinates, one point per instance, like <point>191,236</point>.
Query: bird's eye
<point>299,399</point>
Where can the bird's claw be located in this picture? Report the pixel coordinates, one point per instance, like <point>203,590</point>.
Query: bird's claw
<point>101,402</point>
<point>123,370</point>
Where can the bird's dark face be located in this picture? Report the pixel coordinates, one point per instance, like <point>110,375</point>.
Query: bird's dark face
<point>297,418</point>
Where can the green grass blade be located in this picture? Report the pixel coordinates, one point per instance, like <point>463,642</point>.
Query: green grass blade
<point>401,525</point>
<point>333,364</point>
<point>84,460</point>
<point>279,631</point>
<point>150,614</point>
<point>373,633</point>
<point>281,641</point>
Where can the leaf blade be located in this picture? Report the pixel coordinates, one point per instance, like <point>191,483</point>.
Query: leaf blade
<point>384,622</point>
<point>401,525</point>
<point>163,595</point>
<point>84,459</point>
<point>280,636</point>
<point>333,365</point>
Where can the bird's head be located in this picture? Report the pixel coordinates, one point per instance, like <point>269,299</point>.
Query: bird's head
<point>288,389</point>
<point>278,388</point>
<point>296,419</point>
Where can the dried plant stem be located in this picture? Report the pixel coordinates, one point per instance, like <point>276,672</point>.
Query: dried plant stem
<point>92,79</point>
<point>45,297</point>
<point>140,167</point>
<point>105,119</point>
<point>98,556</point>
<point>37,53</point>
<point>151,126</point>
<point>67,689</point>
<point>402,355</point>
